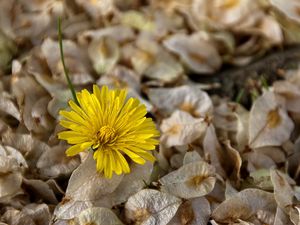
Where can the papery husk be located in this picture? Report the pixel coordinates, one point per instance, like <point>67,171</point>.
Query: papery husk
<point>151,207</point>
<point>244,205</point>
<point>186,98</point>
<point>193,212</point>
<point>196,51</point>
<point>192,180</point>
<point>269,123</point>
<point>181,129</point>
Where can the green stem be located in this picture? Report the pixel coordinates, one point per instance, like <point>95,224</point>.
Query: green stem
<point>240,96</point>
<point>62,57</point>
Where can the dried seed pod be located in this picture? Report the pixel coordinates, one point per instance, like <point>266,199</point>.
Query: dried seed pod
<point>192,180</point>
<point>151,207</point>
<point>186,98</point>
<point>98,216</point>
<point>181,129</point>
<point>269,123</point>
<point>196,51</point>
<point>244,205</point>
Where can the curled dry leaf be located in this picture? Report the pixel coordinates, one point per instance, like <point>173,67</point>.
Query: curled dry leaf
<point>54,162</point>
<point>119,33</point>
<point>242,132</point>
<point>75,58</point>
<point>104,54</point>
<point>192,180</point>
<point>181,129</point>
<point>29,21</point>
<point>151,207</point>
<point>14,155</point>
<point>226,116</point>
<point>289,10</point>
<point>295,215</point>
<point>98,216</point>
<point>213,150</point>
<point>271,29</point>
<point>16,217</point>
<point>137,20</point>
<point>97,8</point>
<point>244,205</point>
<point>281,218</point>
<point>269,123</point>
<point>192,156</point>
<point>121,77</point>
<point>290,92</point>
<point>275,153</point>
<point>153,61</point>
<point>28,92</point>
<point>283,192</point>
<point>69,208</point>
<point>40,190</point>
<point>130,184</point>
<point>233,168</point>
<point>39,213</point>
<point>232,14</point>
<point>176,160</point>
<point>196,51</point>
<point>7,50</point>
<point>29,146</point>
<point>85,187</point>
<point>193,212</point>
<point>186,98</point>
<point>86,184</point>
<point>256,161</point>
<point>10,184</point>
<point>261,178</point>
<point>59,101</point>
<point>8,106</point>
<point>40,113</point>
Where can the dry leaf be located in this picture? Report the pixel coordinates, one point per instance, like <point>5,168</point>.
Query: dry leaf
<point>98,216</point>
<point>244,205</point>
<point>196,51</point>
<point>181,129</point>
<point>192,180</point>
<point>186,98</point>
<point>151,207</point>
<point>269,123</point>
<point>193,212</point>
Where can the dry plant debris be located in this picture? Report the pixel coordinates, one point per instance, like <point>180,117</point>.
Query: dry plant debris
<point>217,161</point>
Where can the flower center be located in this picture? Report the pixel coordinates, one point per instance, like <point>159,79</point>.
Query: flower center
<point>105,135</point>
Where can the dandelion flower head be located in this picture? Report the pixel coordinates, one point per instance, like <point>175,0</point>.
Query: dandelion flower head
<point>114,128</point>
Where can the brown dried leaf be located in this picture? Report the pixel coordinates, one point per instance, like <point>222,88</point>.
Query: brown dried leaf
<point>192,212</point>
<point>269,124</point>
<point>10,184</point>
<point>104,54</point>
<point>40,190</point>
<point>186,98</point>
<point>130,184</point>
<point>283,192</point>
<point>8,106</point>
<point>75,58</point>
<point>39,213</point>
<point>244,205</point>
<point>98,216</point>
<point>181,129</point>
<point>54,162</point>
<point>87,184</point>
<point>151,207</point>
<point>189,181</point>
<point>187,47</point>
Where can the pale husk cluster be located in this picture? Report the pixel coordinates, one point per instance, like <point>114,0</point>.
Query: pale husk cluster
<point>217,162</point>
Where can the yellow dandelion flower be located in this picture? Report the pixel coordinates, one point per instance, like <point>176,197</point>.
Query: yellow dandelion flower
<point>112,127</point>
